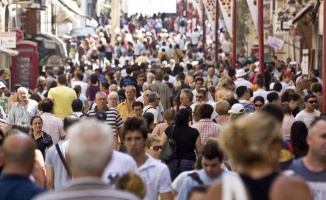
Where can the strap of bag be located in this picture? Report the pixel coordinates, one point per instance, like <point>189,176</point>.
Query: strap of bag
<point>171,132</point>
<point>63,159</point>
<point>148,109</point>
<point>194,176</point>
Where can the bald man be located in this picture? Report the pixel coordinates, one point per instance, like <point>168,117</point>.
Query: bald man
<point>18,155</point>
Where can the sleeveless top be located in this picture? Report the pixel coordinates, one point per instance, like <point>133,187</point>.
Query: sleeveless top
<point>93,89</point>
<point>259,188</point>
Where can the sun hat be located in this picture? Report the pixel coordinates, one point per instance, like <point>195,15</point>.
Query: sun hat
<point>240,73</point>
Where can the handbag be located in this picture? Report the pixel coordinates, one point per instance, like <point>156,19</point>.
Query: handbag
<point>169,151</point>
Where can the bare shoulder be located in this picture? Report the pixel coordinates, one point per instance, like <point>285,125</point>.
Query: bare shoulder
<point>214,192</point>
<point>290,187</point>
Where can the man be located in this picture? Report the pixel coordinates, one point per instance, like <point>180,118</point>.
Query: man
<point>79,81</point>
<point>117,77</point>
<point>199,84</point>
<point>201,98</point>
<point>112,118</point>
<point>153,102</point>
<point>23,110</point>
<point>123,58</point>
<point>137,108</point>
<point>308,115</point>
<point>212,157</point>
<point>2,89</point>
<point>113,88</point>
<point>317,90</point>
<point>242,76</point>
<point>260,91</point>
<point>301,86</point>
<point>128,80</point>
<point>150,78</point>
<point>244,96</point>
<point>88,153</point>
<point>312,167</point>
<point>181,77</point>
<point>113,99</point>
<point>3,76</point>
<point>18,157</point>
<point>287,79</point>
<point>162,89</point>
<point>62,97</point>
<point>155,174</point>
<point>125,108</point>
<point>195,38</point>
<point>52,125</point>
<point>273,97</point>
<point>206,127</point>
<point>315,74</point>
<point>212,80</point>
<point>56,173</point>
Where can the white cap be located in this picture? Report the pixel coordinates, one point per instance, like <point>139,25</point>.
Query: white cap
<point>237,108</point>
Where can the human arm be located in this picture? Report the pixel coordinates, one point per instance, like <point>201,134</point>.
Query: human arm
<point>214,192</point>
<point>163,139</point>
<point>198,145</point>
<point>49,178</point>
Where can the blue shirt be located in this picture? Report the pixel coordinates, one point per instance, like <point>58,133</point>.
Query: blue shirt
<point>14,186</point>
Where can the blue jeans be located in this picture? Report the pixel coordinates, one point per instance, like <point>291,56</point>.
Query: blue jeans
<point>178,166</point>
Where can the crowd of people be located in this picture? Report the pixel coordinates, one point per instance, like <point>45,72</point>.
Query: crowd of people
<point>156,117</point>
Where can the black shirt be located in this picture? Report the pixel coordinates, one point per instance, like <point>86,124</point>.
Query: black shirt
<point>43,142</point>
<point>185,138</point>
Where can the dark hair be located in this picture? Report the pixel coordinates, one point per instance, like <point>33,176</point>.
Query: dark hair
<point>277,87</point>
<point>182,117</point>
<point>158,76</point>
<point>80,76</point>
<point>149,117</point>
<point>105,85</point>
<point>35,117</point>
<point>69,120</point>
<point>298,136</point>
<point>137,103</point>
<point>47,105</point>
<point>36,97</point>
<point>272,96</point>
<point>200,189</point>
<point>77,105</point>
<point>287,97</point>
<point>259,98</point>
<point>135,124</point>
<point>315,72</point>
<point>93,79</point>
<point>199,79</point>
<point>308,96</point>
<point>16,86</point>
<point>212,150</point>
<point>62,79</point>
<point>181,76</point>
<point>260,80</point>
<point>273,110</point>
<point>316,87</point>
<point>77,89</point>
<point>240,91</point>
<point>286,109</point>
<point>205,111</point>
<point>128,70</point>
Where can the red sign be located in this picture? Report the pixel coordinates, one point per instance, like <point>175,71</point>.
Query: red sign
<point>19,34</point>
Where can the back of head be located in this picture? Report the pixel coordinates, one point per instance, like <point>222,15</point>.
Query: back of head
<point>19,153</point>
<point>278,87</point>
<point>273,110</point>
<point>77,105</point>
<point>205,111</point>
<point>182,118</point>
<point>62,79</point>
<point>257,133</point>
<point>87,139</point>
<point>152,97</point>
<point>131,182</point>
<point>159,76</point>
<point>47,105</point>
<point>211,150</point>
<point>241,90</point>
<point>272,96</point>
<point>69,121</point>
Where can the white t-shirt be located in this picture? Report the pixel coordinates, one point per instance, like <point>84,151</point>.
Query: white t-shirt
<point>82,84</point>
<point>261,92</point>
<point>180,180</point>
<point>195,37</point>
<point>307,117</point>
<point>152,110</point>
<point>119,165</point>
<point>242,82</point>
<point>156,177</point>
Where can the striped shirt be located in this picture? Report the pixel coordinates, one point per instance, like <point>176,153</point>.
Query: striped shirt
<point>113,118</point>
<point>22,115</point>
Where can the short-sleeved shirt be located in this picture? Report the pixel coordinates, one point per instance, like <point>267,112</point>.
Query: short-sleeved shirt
<point>113,118</point>
<point>185,138</point>
<point>43,142</point>
<point>124,112</point>
<point>22,115</point>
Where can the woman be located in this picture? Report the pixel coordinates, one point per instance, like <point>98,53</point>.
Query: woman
<point>224,91</point>
<point>169,119</point>
<point>298,137</point>
<point>42,139</point>
<point>288,120</point>
<point>259,102</point>
<point>113,100</point>
<point>222,108</point>
<point>92,88</point>
<point>152,145</point>
<point>257,165</point>
<point>290,98</point>
<point>104,87</point>
<point>187,141</point>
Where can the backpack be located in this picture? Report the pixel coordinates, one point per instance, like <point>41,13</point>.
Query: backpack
<point>163,58</point>
<point>183,23</point>
<point>128,80</point>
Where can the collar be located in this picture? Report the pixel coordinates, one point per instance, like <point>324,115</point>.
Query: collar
<point>243,101</point>
<point>150,162</point>
<point>205,120</point>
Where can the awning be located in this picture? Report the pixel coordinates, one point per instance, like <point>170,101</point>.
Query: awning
<point>9,51</point>
<point>72,6</point>
<point>65,15</point>
<point>303,12</point>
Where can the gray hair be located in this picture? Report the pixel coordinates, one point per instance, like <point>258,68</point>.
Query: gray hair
<point>113,94</point>
<point>110,87</point>
<point>150,75</point>
<point>90,146</point>
<point>22,89</point>
<point>102,94</point>
<point>188,93</point>
<point>152,97</point>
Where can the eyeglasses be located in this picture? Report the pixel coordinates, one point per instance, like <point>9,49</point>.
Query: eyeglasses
<point>312,101</point>
<point>258,105</point>
<point>156,148</point>
<point>199,97</point>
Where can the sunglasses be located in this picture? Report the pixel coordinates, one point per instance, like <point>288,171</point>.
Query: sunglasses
<point>156,148</point>
<point>312,102</point>
<point>199,97</point>
<point>258,105</point>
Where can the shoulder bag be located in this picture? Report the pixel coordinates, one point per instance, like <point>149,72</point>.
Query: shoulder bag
<point>169,151</point>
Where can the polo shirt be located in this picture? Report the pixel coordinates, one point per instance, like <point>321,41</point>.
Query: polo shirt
<point>124,112</point>
<point>18,187</point>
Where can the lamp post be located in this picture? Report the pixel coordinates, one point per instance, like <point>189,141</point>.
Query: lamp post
<point>234,33</point>
<point>216,30</point>
<point>324,58</point>
<point>261,35</point>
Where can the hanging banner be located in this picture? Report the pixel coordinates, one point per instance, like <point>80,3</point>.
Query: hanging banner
<point>253,7</point>
<point>210,7</point>
<point>226,8</point>
<point>275,42</point>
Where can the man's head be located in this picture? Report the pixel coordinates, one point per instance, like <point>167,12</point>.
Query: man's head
<point>113,99</point>
<point>101,100</point>
<point>79,76</point>
<point>159,76</point>
<point>211,71</point>
<point>301,83</point>
<point>150,78</point>
<point>212,159</point>
<point>146,96</point>
<point>287,76</point>
<point>315,73</point>
<point>130,92</point>
<point>86,140</point>
<point>134,135</point>
<point>316,140</point>
<point>205,111</point>
<point>62,80</point>
<point>273,97</point>
<point>69,121</point>
<point>137,107</point>
<point>154,99</point>
<point>316,89</point>
<point>47,105</point>
<point>23,95</point>
<point>186,97</point>
<point>199,83</point>
<point>310,101</point>
<point>18,154</point>
<point>113,88</point>
<point>201,96</point>
<point>140,79</point>
<point>77,105</point>
<point>243,93</point>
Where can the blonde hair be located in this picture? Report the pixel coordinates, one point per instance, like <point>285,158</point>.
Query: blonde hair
<point>196,115</point>
<point>170,115</point>
<point>131,182</point>
<point>247,142</point>
<point>152,138</point>
<point>222,107</point>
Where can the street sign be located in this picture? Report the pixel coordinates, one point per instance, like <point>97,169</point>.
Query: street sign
<point>4,103</point>
<point>8,39</point>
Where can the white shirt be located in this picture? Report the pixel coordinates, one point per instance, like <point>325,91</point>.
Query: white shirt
<point>209,96</point>
<point>195,37</point>
<point>242,82</point>
<point>82,84</point>
<point>261,92</point>
<point>119,165</point>
<point>307,117</point>
<point>152,110</point>
<point>156,177</point>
